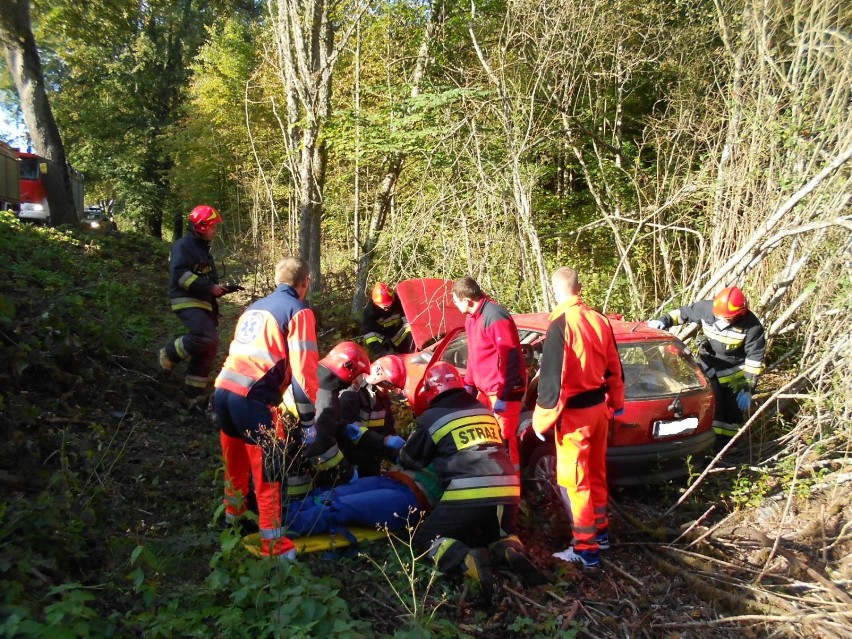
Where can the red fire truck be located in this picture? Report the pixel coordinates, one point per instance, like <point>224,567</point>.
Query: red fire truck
<point>40,182</point>
<point>10,192</point>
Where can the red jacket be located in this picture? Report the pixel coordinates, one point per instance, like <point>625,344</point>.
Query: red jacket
<point>580,366</point>
<point>495,362</point>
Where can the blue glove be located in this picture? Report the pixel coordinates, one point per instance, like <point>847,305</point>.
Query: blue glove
<point>656,324</point>
<point>309,435</point>
<point>618,413</point>
<point>354,475</point>
<point>499,406</point>
<point>353,431</point>
<point>394,441</point>
<point>744,399</point>
<point>471,389</point>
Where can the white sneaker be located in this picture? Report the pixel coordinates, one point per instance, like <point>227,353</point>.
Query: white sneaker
<point>589,559</point>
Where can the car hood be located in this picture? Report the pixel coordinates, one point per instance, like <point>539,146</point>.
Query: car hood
<point>428,305</point>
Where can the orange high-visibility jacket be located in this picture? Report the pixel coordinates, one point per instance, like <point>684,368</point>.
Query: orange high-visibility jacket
<point>580,366</point>
<point>275,337</point>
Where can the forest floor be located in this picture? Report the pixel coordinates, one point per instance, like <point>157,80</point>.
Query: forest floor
<point>755,552</point>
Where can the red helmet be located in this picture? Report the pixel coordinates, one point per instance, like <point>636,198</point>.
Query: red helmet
<point>382,295</point>
<point>439,379</point>
<point>730,303</point>
<point>204,217</point>
<point>347,360</point>
<point>388,370</point>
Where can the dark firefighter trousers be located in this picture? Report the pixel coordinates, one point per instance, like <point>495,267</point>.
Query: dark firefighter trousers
<point>462,528</point>
<point>199,345</point>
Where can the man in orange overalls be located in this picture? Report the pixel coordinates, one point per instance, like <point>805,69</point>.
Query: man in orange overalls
<point>581,385</point>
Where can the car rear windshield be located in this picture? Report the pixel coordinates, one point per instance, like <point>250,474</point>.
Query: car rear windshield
<point>652,369</point>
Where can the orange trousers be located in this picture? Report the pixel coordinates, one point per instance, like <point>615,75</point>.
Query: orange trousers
<point>581,442</point>
<point>509,421</point>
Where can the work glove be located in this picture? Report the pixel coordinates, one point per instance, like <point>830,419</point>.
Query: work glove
<point>744,399</point>
<point>656,324</point>
<point>309,435</point>
<point>538,434</point>
<point>354,476</point>
<point>353,432</point>
<point>394,441</point>
<point>499,406</point>
<point>290,555</point>
<point>618,413</point>
<point>471,389</point>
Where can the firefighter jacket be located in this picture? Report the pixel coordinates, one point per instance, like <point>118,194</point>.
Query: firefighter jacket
<point>371,410</point>
<point>386,331</point>
<point>324,454</point>
<point>580,366</point>
<point>495,362</point>
<point>275,342</point>
<point>192,274</point>
<point>369,407</point>
<point>733,353</point>
<point>461,438</point>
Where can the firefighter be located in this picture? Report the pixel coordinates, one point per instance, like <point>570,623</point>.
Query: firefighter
<point>370,428</point>
<point>731,353</point>
<point>194,289</point>
<point>336,372</point>
<point>385,326</point>
<point>495,362</point>
<point>581,385</point>
<point>274,345</point>
<point>479,506</point>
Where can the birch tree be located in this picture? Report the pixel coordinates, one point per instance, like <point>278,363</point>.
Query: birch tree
<point>310,36</point>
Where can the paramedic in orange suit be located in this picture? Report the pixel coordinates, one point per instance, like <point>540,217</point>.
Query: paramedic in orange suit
<point>581,385</point>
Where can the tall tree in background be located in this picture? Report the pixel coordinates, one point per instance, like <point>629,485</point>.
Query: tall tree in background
<point>22,58</point>
<point>129,64</point>
<point>308,50</point>
<point>391,169</point>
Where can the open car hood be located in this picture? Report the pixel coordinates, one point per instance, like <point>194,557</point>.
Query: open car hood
<point>428,305</point>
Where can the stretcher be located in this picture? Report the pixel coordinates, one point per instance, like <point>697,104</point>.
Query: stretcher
<point>320,542</point>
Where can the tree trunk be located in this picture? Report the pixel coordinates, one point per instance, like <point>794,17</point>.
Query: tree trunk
<point>24,64</point>
<point>393,168</point>
<point>307,58</point>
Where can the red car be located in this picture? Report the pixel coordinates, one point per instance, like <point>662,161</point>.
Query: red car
<point>666,427</point>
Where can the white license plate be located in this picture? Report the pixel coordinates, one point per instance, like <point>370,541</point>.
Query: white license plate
<point>674,427</point>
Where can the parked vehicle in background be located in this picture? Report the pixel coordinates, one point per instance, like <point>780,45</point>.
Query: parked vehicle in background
<point>96,219</point>
<point>39,181</point>
<point>666,428</point>
<point>10,190</point>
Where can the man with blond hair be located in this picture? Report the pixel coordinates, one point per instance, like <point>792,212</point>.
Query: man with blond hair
<point>274,345</point>
<point>581,384</point>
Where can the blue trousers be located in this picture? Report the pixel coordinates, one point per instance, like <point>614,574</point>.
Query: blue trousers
<point>371,501</point>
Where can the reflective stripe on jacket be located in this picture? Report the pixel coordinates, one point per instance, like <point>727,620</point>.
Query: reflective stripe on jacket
<point>580,366</point>
<point>192,274</point>
<point>461,438</point>
<point>495,362</point>
<point>371,409</point>
<point>731,351</point>
<point>275,339</point>
<point>380,325</point>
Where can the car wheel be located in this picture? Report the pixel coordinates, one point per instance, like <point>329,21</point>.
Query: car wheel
<point>540,483</point>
